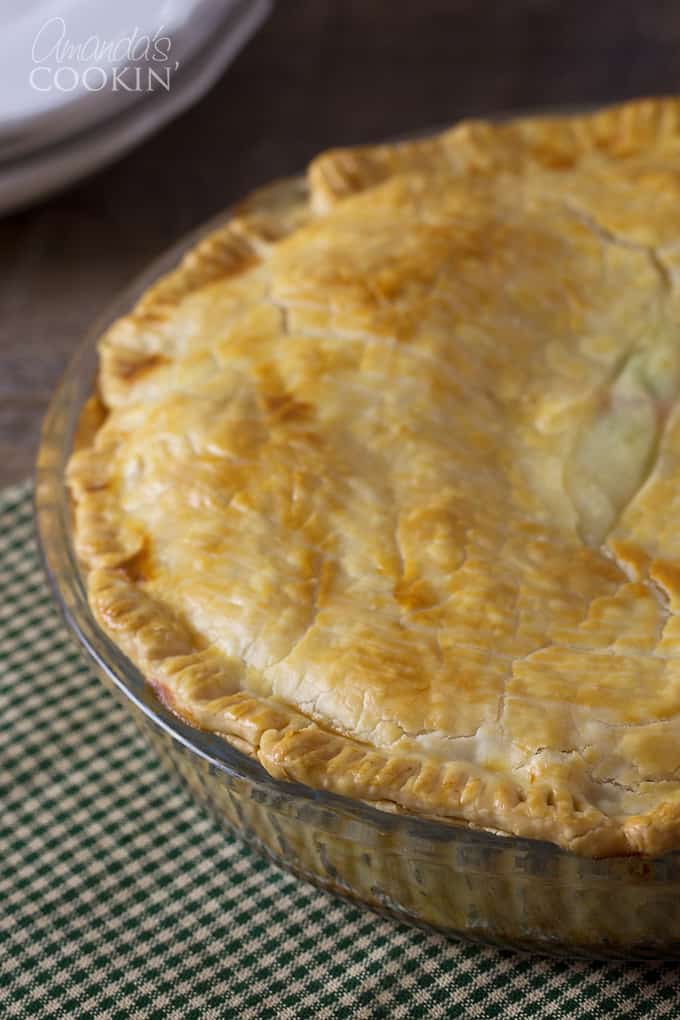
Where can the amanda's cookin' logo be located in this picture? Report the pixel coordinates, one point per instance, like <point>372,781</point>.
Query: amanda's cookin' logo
<point>137,62</point>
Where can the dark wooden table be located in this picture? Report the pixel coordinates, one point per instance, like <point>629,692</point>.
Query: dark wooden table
<point>320,72</point>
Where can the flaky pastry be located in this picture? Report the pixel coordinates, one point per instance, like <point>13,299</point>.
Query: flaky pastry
<point>384,484</point>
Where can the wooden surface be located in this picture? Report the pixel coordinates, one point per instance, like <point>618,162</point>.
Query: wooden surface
<point>319,72</point>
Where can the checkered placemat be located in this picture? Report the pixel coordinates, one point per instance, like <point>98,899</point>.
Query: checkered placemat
<point>119,898</point>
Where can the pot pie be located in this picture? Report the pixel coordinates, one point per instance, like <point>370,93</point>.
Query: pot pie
<point>382,483</point>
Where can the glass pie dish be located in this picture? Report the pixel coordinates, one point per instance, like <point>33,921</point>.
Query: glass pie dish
<point>447,877</point>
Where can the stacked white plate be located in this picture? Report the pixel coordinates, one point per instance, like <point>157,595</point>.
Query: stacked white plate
<point>83,81</point>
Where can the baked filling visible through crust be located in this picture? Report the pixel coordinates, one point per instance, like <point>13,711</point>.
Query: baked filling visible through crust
<point>386,485</point>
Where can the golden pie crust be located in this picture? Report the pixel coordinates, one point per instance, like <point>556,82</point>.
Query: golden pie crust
<point>385,486</point>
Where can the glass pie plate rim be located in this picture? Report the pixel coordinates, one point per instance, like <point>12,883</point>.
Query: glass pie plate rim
<point>52,510</point>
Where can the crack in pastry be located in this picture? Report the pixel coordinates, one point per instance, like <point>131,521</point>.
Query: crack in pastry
<point>386,484</point>
<point>617,446</point>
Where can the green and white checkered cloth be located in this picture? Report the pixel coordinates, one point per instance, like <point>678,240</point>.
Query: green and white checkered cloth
<point>119,898</point>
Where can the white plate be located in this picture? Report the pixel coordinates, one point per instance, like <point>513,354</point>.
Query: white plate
<point>38,175</point>
<point>66,64</point>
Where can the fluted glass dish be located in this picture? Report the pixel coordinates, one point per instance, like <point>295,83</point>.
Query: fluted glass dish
<point>465,883</point>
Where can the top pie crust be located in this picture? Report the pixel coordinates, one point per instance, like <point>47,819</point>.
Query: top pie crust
<point>385,483</point>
